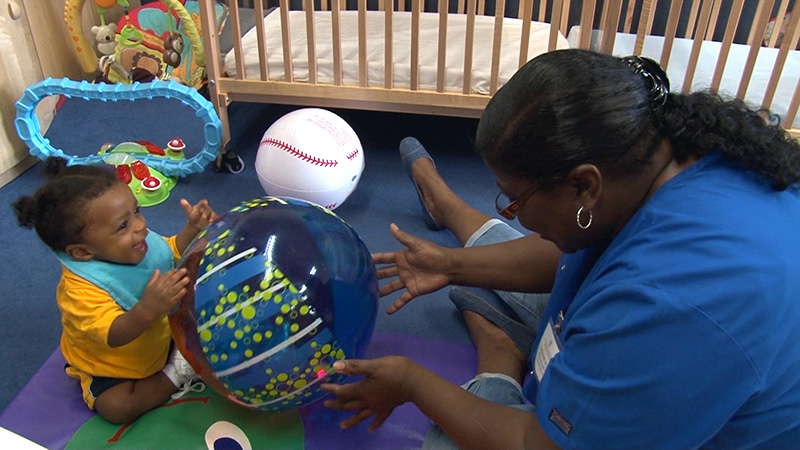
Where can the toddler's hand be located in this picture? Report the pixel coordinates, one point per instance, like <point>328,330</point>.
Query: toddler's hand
<point>163,292</point>
<point>199,215</point>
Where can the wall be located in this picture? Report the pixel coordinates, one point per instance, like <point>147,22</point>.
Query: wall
<point>34,44</point>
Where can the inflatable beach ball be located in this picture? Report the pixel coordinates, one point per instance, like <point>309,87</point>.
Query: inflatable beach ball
<point>310,154</point>
<point>282,289</point>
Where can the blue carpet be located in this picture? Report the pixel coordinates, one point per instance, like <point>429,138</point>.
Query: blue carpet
<point>31,325</point>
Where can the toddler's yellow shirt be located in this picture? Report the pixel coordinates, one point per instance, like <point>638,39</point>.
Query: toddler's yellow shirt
<point>87,313</point>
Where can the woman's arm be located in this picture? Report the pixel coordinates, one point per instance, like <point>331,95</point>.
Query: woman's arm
<point>470,421</point>
<point>527,264</point>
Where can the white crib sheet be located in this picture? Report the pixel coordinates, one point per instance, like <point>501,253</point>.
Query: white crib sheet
<point>429,29</point>
<point>709,53</point>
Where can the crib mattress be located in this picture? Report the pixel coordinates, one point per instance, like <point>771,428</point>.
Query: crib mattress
<point>401,27</point>
<point>709,52</point>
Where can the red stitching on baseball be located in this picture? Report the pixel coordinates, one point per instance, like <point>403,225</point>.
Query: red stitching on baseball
<point>352,155</point>
<point>300,154</point>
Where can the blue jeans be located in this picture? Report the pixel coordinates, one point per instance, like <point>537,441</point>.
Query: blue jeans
<point>528,308</point>
<point>516,313</point>
<point>497,388</point>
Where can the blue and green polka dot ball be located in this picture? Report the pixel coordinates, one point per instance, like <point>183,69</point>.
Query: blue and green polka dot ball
<point>282,289</point>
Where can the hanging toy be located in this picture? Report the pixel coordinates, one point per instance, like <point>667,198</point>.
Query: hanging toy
<point>106,37</point>
<point>173,44</point>
<point>173,47</point>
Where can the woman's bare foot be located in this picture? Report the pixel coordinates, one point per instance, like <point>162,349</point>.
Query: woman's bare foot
<point>431,185</point>
<point>497,353</point>
<point>443,206</point>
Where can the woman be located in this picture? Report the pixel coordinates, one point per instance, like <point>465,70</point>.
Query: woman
<point>674,314</point>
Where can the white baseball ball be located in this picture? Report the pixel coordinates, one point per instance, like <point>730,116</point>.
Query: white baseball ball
<point>311,154</point>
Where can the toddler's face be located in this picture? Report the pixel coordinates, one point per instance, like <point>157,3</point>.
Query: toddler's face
<point>115,230</point>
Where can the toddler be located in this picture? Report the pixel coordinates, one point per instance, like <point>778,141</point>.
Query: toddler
<point>118,282</point>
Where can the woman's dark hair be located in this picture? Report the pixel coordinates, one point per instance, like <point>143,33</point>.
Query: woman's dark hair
<point>570,107</point>
<point>56,209</point>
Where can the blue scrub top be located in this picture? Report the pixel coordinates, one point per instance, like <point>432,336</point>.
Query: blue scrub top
<point>684,331</point>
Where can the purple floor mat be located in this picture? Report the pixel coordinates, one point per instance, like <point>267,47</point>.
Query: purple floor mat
<point>49,409</point>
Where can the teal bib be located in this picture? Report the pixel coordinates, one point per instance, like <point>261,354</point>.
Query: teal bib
<point>124,283</point>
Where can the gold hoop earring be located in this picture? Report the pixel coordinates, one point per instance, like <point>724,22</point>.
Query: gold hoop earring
<point>578,219</point>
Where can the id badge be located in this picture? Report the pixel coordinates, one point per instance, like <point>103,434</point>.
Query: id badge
<point>549,346</point>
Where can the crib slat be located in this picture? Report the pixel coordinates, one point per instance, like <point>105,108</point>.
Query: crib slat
<point>543,11</point>
<point>727,40</point>
<point>208,19</point>
<point>671,32</point>
<point>773,38</point>
<point>237,41</point>
<point>555,19</point>
<point>497,42</point>
<point>214,68</point>
<point>628,27</point>
<point>587,19</point>
<point>415,7</point>
<point>263,57</point>
<point>651,18</point>
<point>690,30</point>
<point>441,67</point>
<point>363,66</point>
<point>311,41</point>
<point>468,47</point>
<point>565,17</point>
<point>712,21</point>
<point>791,112</point>
<point>755,40</point>
<point>336,39</point>
<point>694,55</point>
<point>286,35</point>
<point>753,34</point>
<point>645,23</point>
<point>780,61</point>
<point>611,12</point>
<point>526,11</point>
<point>604,15</point>
<point>388,45</point>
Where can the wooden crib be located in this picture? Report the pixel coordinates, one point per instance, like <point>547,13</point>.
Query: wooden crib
<point>313,53</point>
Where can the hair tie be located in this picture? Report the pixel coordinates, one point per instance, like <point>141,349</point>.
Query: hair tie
<point>654,74</point>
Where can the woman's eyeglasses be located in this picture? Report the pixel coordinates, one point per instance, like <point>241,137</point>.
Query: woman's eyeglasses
<point>508,208</point>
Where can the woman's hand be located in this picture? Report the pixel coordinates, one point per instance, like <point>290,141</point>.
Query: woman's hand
<point>377,394</point>
<point>420,268</point>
